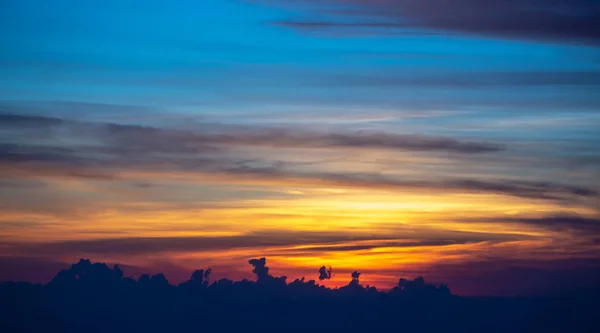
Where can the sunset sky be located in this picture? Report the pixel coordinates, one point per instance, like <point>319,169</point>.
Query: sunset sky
<point>399,138</point>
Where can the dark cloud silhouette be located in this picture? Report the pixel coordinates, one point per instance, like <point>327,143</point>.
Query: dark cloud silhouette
<point>454,238</point>
<point>141,245</point>
<point>159,280</point>
<point>95,295</point>
<point>418,287</point>
<point>325,273</point>
<point>355,276</point>
<point>330,241</point>
<point>201,275</point>
<point>565,222</point>
<point>556,20</point>
<point>262,273</point>
<point>200,278</point>
<point>97,273</point>
<point>525,189</point>
<point>260,268</point>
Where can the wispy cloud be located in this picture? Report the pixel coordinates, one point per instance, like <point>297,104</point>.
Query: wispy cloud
<point>579,225</point>
<point>103,151</point>
<point>205,137</point>
<point>280,241</point>
<point>559,20</point>
<point>472,79</point>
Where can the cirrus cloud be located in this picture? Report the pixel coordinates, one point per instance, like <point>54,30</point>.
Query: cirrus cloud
<point>555,20</point>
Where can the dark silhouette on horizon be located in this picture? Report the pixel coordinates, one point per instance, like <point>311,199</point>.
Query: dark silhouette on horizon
<point>92,297</point>
<point>325,273</point>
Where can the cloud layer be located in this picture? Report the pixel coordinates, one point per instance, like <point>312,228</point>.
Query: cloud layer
<point>104,151</point>
<point>190,141</point>
<point>557,20</point>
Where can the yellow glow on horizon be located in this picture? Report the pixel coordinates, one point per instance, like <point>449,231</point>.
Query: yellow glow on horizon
<point>379,231</point>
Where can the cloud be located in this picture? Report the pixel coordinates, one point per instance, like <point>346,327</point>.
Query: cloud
<point>16,120</point>
<point>145,245</point>
<point>23,153</point>
<point>107,151</point>
<point>567,222</point>
<point>584,231</point>
<point>306,139</point>
<point>21,184</point>
<point>53,111</point>
<point>282,243</point>
<point>515,188</point>
<point>470,79</point>
<point>260,268</point>
<point>524,189</point>
<point>25,225</point>
<point>137,139</point>
<point>369,245</point>
<point>57,161</point>
<point>583,226</point>
<point>557,20</point>
<point>325,273</point>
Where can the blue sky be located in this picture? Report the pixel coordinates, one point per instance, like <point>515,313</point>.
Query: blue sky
<point>227,54</point>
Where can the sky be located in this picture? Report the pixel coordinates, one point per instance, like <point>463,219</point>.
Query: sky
<point>458,141</point>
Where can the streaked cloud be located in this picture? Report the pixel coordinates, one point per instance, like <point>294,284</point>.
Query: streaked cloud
<point>560,20</point>
<point>104,151</point>
<point>174,140</point>
<point>288,241</point>
<point>579,225</point>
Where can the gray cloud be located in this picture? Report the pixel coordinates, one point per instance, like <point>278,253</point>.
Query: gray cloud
<point>52,111</point>
<point>25,224</point>
<point>133,246</point>
<point>21,184</point>
<point>9,120</point>
<point>328,241</point>
<point>558,20</point>
<point>11,152</point>
<point>132,138</point>
<point>525,189</point>
<point>23,159</point>
<point>286,138</point>
<point>517,188</point>
<point>406,243</point>
<point>560,222</point>
<point>102,151</point>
